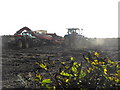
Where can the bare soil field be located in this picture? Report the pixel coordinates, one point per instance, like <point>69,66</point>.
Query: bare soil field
<point>15,62</point>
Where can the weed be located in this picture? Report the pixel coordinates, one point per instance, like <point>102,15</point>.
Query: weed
<point>96,74</point>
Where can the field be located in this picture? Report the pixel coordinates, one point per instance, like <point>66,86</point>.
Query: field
<point>17,64</point>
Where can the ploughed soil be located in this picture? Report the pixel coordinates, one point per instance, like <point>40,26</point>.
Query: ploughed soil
<point>15,62</point>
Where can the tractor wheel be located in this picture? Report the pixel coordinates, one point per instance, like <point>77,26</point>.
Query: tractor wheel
<point>20,44</point>
<point>27,45</point>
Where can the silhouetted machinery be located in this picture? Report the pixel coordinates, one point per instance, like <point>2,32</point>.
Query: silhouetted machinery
<point>25,38</point>
<point>74,38</point>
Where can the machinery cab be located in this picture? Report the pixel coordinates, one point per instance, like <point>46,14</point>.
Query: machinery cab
<point>73,31</point>
<point>28,34</point>
<point>73,37</point>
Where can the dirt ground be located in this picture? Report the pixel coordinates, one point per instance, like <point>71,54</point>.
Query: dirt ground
<point>16,62</point>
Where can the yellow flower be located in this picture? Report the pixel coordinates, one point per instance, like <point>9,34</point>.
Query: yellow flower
<point>63,62</point>
<point>96,54</point>
<point>111,78</point>
<point>75,75</point>
<point>90,68</point>
<point>66,80</point>
<point>116,74</point>
<point>93,63</point>
<point>101,62</point>
<point>95,60</point>
<point>71,58</point>
<point>109,61</point>
<point>105,71</point>
<point>43,66</point>
<point>88,71</point>
<point>54,88</point>
<point>87,58</point>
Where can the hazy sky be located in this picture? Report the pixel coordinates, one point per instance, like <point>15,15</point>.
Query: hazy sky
<point>97,18</point>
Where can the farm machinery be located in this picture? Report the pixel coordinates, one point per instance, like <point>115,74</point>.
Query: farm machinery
<point>25,38</point>
<point>73,39</point>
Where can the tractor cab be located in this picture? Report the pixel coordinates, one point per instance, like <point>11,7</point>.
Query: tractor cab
<point>73,31</point>
<point>73,37</point>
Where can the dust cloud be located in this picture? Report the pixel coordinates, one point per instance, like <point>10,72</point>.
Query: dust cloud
<point>97,43</point>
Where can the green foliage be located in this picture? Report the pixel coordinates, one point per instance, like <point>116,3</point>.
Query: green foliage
<point>46,81</point>
<point>95,73</point>
<point>42,65</point>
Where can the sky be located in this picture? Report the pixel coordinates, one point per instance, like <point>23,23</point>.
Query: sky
<point>97,18</point>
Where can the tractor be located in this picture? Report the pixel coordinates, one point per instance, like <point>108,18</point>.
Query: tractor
<point>74,39</point>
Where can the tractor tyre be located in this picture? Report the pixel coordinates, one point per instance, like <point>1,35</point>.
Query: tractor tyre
<point>19,44</point>
<point>26,44</point>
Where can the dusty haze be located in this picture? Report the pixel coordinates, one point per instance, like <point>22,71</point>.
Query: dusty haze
<point>97,43</point>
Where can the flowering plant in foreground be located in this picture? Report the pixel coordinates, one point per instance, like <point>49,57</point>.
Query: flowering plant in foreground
<point>96,72</point>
